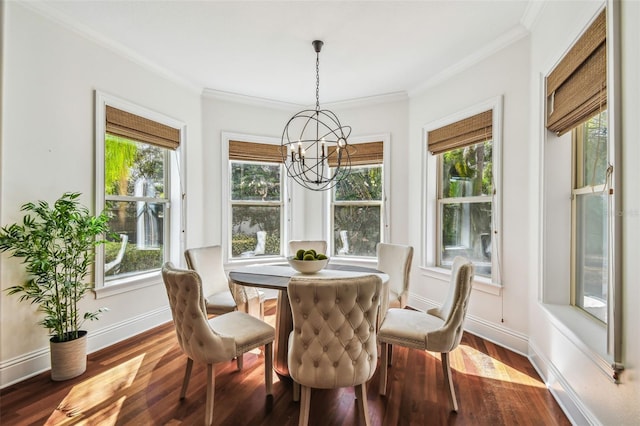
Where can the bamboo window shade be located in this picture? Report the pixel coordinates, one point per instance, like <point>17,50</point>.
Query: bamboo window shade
<point>252,151</point>
<point>469,131</point>
<point>360,154</point>
<point>132,126</point>
<point>577,87</point>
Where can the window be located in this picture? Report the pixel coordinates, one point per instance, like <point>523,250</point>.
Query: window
<point>590,206</point>
<point>462,197</point>
<point>580,103</point>
<point>138,183</point>
<point>358,203</point>
<point>255,199</point>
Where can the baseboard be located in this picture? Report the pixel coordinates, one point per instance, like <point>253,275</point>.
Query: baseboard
<point>561,390</point>
<point>495,333</point>
<point>22,367</point>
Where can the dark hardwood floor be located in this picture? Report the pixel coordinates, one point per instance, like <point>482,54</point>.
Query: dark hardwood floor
<point>137,382</point>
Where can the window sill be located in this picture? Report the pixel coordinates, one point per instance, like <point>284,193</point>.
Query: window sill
<point>586,333</point>
<point>128,284</point>
<point>482,284</point>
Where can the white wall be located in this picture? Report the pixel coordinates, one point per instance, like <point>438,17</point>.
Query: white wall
<point>50,74</point>
<point>506,74</point>
<point>580,384</point>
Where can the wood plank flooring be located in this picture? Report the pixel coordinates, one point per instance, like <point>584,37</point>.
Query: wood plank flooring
<point>137,382</point>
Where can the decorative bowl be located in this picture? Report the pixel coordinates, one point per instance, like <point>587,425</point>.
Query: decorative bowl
<point>307,266</point>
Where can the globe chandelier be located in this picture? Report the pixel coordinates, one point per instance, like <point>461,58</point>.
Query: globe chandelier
<point>314,144</point>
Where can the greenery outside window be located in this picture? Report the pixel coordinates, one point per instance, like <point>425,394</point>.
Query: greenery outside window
<point>139,184</point>
<point>256,198</point>
<point>256,206</point>
<point>590,206</point>
<point>465,206</point>
<point>357,212</point>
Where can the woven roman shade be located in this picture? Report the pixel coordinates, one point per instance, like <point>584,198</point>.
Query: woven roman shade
<point>251,151</point>
<point>577,86</point>
<point>361,154</point>
<point>469,131</point>
<point>131,126</point>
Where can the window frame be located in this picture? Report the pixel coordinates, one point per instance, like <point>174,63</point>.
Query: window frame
<point>431,220</point>
<point>384,203</point>
<point>174,229</point>
<point>285,200</point>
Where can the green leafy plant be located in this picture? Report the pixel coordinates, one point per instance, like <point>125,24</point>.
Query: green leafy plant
<point>57,244</point>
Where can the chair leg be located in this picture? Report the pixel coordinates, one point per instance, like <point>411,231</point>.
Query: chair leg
<point>390,358</point>
<point>187,376</point>
<point>211,387</point>
<point>305,405</point>
<point>268,367</point>
<point>239,359</point>
<point>446,369</point>
<point>363,405</point>
<point>296,391</point>
<point>383,368</point>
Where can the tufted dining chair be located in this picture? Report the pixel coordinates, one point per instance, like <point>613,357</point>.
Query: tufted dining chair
<point>214,340</point>
<point>395,261</point>
<point>320,246</point>
<point>221,295</point>
<point>437,330</point>
<point>333,342</point>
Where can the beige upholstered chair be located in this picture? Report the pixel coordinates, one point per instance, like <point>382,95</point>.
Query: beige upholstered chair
<point>221,295</point>
<point>437,330</point>
<point>319,246</point>
<point>333,342</point>
<point>212,340</point>
<point>395,261</point>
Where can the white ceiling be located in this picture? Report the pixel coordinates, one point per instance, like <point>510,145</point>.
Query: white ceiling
<point>263,48</point>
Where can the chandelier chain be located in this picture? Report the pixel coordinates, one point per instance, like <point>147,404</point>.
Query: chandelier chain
<point>318,81</point>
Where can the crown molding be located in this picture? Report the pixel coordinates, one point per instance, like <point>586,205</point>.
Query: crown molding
<point>249,100</point>
<point>506,39</point>
<point>531,14</point>
<point>45,10</point>
<point>270,103</point>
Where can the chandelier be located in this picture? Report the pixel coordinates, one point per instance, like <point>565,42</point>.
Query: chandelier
<point>314,144</point>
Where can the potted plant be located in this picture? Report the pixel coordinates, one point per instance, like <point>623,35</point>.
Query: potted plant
<point>56,243</point>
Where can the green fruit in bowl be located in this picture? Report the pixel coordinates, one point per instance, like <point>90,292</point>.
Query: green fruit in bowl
<point>309,256</point>
<point>300,254</point>
<point>311,252</point>
<point>321,256</point>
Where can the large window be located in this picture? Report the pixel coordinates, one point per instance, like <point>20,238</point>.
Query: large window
<point>357,203</point>
<point>462,200</point>
<point>138,184</point>
<point>590,205</point>
<point>256,200</point>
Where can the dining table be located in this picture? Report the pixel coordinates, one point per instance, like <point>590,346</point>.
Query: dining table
<point>277,276</point>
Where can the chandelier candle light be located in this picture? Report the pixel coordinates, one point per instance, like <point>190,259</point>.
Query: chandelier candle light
<point>314,144</point>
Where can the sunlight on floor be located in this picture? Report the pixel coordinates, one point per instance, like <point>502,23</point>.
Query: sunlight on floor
<point>98,399</point>
<point>488,367</point>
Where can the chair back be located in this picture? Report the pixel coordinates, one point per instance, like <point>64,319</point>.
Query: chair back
<point>454,309</point>
<point>207,262</point>
<point>195,336</point>
<point>333,342</point>
<point>395,261</point>
<point>320,246</point>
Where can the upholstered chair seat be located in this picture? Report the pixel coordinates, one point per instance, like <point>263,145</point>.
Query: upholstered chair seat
<point>212,340</point>
<point>221,295</point>
<point>333,342</point>
<point>437,330</point>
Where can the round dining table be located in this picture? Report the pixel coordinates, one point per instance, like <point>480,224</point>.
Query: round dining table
<point>277,277</point>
